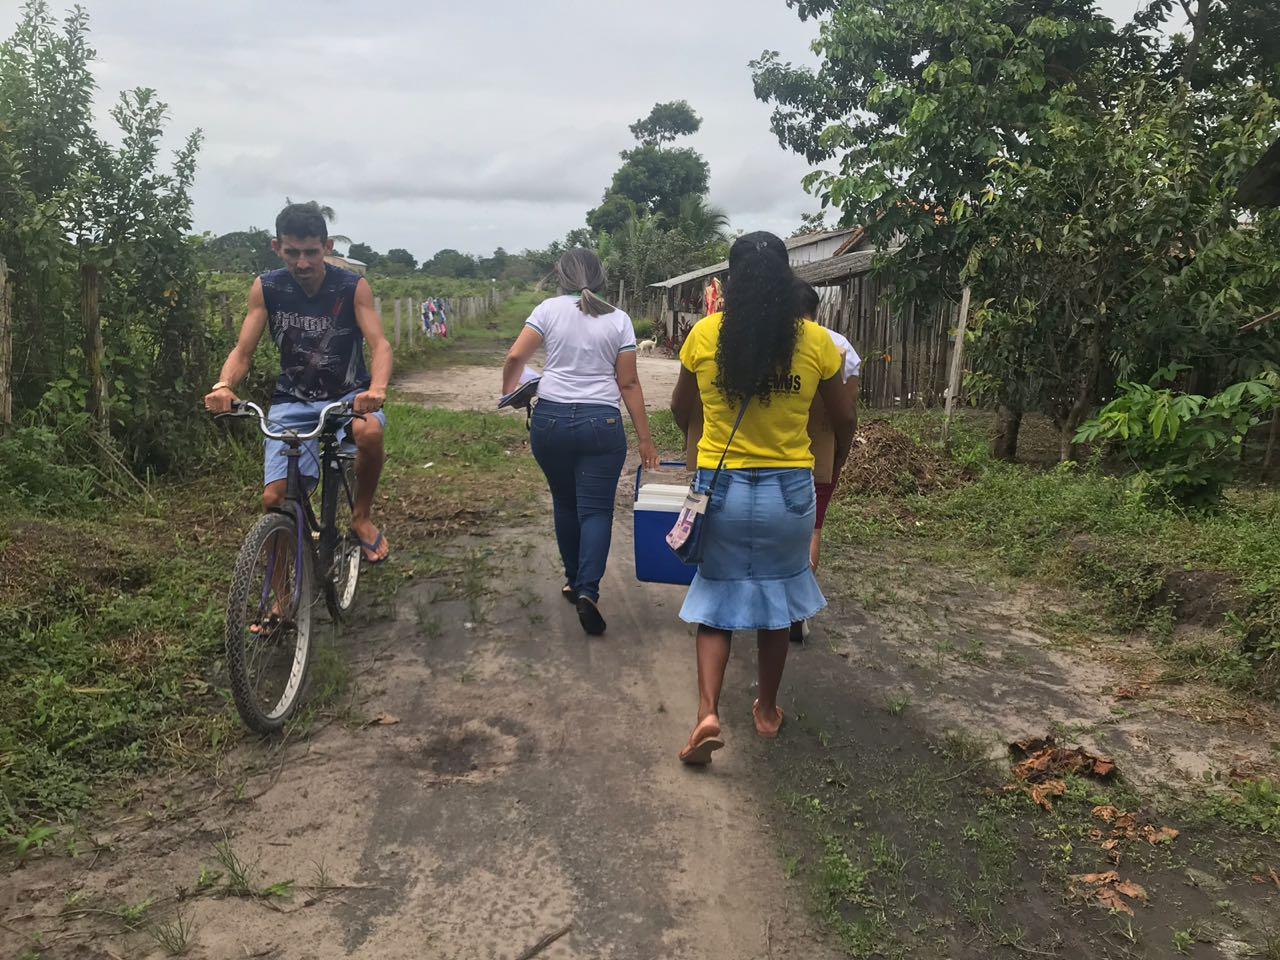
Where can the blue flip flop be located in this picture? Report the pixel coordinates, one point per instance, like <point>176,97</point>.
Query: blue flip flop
<point>373,548</point>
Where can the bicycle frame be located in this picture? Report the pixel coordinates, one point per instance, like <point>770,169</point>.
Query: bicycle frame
<point>297,500</point>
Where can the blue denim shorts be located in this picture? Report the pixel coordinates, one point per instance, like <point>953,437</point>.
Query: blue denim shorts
<point>302,417</point>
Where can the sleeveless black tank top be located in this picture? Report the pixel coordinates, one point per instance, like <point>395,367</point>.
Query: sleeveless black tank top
<point>321,346</point>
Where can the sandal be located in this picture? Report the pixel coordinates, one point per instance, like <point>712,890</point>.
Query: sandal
<point>698,753</point>
<point>268,625</point>
<point>372,548</point>
<point>755,715</point>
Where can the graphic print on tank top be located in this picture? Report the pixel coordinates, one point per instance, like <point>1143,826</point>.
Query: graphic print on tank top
<point>320,343</point>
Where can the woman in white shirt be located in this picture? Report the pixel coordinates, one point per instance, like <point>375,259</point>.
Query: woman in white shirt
<point>577,434</point>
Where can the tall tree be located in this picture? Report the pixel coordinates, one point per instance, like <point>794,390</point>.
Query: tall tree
<point>654,178</point>
<point>912,101</point>
<point>666,122</point>
<point>365,254</point>
<point>400,260</point>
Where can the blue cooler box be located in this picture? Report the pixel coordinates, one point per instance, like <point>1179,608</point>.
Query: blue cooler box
<point>656,510</point>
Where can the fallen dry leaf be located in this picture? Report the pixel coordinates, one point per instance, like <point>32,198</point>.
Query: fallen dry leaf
<point>1108,890</point>
<point>1041,792</point>
<point>1109,898</point>
<point>1134,891</point>
<point>1157,835</point>
<point>1044,759</point>
<point>1108,876</point>
<point>382,720</point>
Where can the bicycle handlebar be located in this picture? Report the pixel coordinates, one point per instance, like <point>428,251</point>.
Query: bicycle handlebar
<point>247,408</point>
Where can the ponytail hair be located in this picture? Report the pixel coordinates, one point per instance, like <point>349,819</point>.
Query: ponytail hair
<point>580,273</point>
<point>762,316</point>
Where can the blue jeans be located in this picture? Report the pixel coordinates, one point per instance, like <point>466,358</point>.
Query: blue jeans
<point>581,448</point>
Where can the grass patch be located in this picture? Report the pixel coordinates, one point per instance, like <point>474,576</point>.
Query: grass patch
<point>112,617</point>
<point>1143,565</point>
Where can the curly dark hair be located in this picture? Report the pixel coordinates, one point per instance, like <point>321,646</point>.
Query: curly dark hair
<point>761,319</point>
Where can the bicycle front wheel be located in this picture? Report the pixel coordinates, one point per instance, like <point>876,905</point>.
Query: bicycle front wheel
<point>268,632</point>
<point>344,574</point>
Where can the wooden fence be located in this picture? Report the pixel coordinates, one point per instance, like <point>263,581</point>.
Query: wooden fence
<point>6,347</point>
<point>405,326</point>
<point>904,352</point>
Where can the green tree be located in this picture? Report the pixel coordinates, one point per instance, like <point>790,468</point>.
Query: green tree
<point>666,122</point>
<point>400,260</point>
<point>701,222</point>
<point>912,101</point>
<point>70,199</point>
<point>365,254</point>
<point>654,179</point>
<point>811,223</point>
<point>241,251</point>
<point>450,263</point>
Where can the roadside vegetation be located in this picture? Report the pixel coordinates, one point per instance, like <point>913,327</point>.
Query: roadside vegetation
<point>1138,563</point>
<point>112,609</point>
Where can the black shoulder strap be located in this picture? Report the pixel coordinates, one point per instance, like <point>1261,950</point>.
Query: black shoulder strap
<point>742,412</point>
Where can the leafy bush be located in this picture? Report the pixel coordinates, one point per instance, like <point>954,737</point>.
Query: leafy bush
<point>1186,446</point>
<point>644,329</point>
<point>33,470</point>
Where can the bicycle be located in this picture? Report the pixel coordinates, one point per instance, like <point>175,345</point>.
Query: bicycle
<point>287,554</point>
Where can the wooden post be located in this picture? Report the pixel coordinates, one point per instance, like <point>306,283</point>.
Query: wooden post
<point>228,325</point>
<point>1268,461</point>
<point>413,320</point>
<point>6,348</point>
<point>397,322</point>
<point>957,366</point>
<point>96,401</point>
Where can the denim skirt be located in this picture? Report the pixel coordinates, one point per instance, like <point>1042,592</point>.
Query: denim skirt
<point>755,571</point>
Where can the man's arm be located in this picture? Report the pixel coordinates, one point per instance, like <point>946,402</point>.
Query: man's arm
<point>219,399</point>
<point>370,325</point>
<point>842,417</point>
<point>685,398</point>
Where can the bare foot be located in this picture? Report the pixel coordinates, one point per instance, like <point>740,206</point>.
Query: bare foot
<point>704,741</point>
<point>767,727</point>
<point>374,544</point>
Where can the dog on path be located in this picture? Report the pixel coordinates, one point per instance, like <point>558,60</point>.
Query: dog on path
<point>646,346</point>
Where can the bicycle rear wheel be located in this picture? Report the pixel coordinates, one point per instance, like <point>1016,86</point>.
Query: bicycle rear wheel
<point>268,631</point>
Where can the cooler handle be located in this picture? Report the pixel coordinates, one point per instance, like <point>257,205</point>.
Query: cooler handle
<point>640,474</point>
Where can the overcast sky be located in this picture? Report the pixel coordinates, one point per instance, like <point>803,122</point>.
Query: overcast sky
<point>430,124</point>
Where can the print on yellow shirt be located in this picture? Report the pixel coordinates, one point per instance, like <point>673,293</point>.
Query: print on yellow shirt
<point>772,435</point>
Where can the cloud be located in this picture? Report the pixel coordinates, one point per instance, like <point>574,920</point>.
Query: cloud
<point>430,124</point>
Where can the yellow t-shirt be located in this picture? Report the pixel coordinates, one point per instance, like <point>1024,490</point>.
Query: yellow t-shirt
<point>774,434</point>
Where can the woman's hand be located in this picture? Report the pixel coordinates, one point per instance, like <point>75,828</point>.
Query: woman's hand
<point>649,454</point>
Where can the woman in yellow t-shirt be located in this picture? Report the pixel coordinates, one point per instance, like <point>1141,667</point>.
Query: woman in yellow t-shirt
<point>755,572</point>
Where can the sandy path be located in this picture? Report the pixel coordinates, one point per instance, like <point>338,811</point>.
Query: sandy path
<point>477,387</point>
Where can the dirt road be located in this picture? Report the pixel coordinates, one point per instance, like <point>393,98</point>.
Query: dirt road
<point>477,386</point>
<point>503,787</point>
<point>527,786</point>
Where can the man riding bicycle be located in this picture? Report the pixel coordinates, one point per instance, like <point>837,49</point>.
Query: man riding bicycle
<point>320,318</point>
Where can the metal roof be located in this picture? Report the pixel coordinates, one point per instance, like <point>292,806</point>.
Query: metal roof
<point>792,243</point>
<point>819,272</point>
<point>834,269</point>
